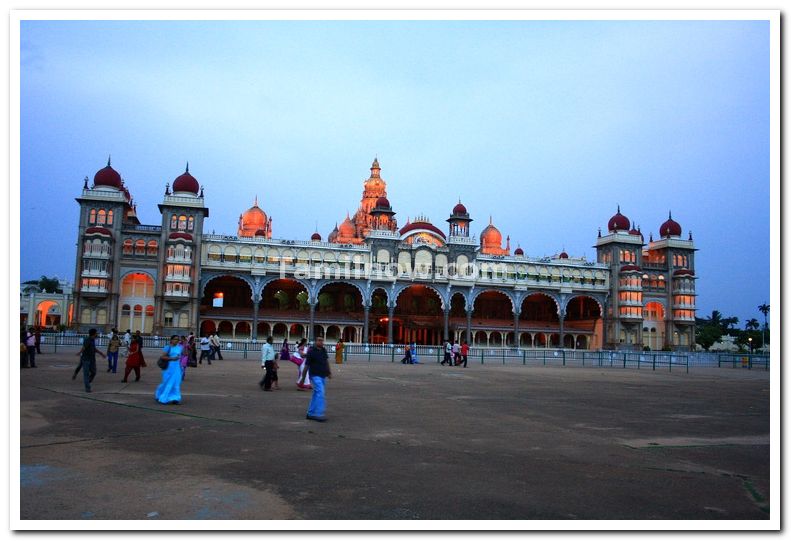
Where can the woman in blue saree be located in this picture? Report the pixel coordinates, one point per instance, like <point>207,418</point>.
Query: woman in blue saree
<point>169,391</point>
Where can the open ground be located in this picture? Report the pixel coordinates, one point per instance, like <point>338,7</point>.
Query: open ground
<point>402,442</point>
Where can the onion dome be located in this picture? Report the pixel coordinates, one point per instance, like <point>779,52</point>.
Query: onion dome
<point>254,218</point>
<point>421,223</point>
<point>459,209</point>
<point>315,236</point>
<point>563,255</point>
<point>180,236</point>
<point>108,176</point>
<point>635,231</point>
<point>382,202</point>
<point>631,268</point>
<point>186,183</point>
<point>670,228</point>
<point>519,251</point>
<point>491,236</point>
<point>96,230</point>
<point>618,222</point>
<point>346,229</point>
<point>683,272</point>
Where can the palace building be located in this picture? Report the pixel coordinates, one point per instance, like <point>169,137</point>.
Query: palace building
<point>371,281</point>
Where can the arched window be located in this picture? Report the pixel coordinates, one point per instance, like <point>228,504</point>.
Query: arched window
<point>109,217</point>
<point>171,251</point>
<point>190,223</point>
<point>85,315</point>
<point>187,253</point>
<point>128,247</point>
<point>173,221</point>
<point>184,319</point>
<point>92,217</point>
<point>182,223</point>
<point>101,217</point>
<point>152,248</point>
<point>140,247</point>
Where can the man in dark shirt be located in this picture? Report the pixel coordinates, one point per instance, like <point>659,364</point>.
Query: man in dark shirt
<point>319,368</point>
<point>88,359</point>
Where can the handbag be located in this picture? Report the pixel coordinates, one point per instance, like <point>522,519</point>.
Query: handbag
<point>162,363</point>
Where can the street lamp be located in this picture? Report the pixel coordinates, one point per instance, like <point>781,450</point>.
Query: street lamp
<point>750,340</point>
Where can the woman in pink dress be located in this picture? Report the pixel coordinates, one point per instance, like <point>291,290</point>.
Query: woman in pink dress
<point>298,358</point>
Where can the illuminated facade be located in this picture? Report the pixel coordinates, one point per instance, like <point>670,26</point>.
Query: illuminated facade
<point>371,281</point>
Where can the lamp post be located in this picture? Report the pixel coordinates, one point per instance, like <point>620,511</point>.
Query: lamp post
<point>750,341</point>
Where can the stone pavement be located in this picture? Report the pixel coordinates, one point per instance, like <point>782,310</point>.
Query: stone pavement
<point>402,442</point>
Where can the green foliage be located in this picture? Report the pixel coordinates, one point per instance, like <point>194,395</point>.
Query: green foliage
<point>50,285</point>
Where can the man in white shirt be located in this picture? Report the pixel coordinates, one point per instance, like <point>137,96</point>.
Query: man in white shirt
<point>214,342</point>
<point>204,349</point>
<point>268,363</point>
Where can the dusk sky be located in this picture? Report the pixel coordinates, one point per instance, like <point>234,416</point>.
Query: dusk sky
<point>545,126</point>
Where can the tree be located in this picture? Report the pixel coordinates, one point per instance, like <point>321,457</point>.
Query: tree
<point>707,335</point>
<point>764,309</point>
<point>752,325</point>
<point>49,285</point>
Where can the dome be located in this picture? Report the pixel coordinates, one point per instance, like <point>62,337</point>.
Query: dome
<point>670,228</point>
<point>186,183</point>
<point>491,236</point>
<point>459,209</point>
<point>315,236</point>
<point>107,176</point>
<point>563,255</point>
<point>519,251</point>
<point>618,222</point>
<point>421,224</point>
<point>254,217</point>
<point>382,202</point>
<point>346,229</point>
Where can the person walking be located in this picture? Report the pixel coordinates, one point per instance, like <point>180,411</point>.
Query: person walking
<point>137,337</point>
<point>319,367</point>
<point>465,350</point>
<point>216,346</point>
<point>285,354</point>
<point>339,352</point>
<point>134,361</point>
<point>456,351</point>
<point>413,353</point>
<point>87,355</point>
<point>169,391</point>
<point>298,358</point>
<point>192,349</point>
<point>113,345</point>
<point>205,346</point>
<point>38,340</point>
<point>446,358</point>
<point>267,363</point>
<point>407,355</point>
<point>30,343</point>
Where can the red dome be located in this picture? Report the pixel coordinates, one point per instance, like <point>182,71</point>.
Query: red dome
<point>563,255</point>
<point>618,222</point>
<point>421,225</point>
<point>179,235</point>
<point>382,202</point>
<point>186,183</point>
<point>670,228</point>
<point>98,231</point>
<point>459,209</point>
<point>315,236</point>
<point>519,251</point>
<point>107,176</point>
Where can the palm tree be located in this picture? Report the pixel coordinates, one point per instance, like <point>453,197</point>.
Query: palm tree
<point>764,309</point>
<point>752,325</point>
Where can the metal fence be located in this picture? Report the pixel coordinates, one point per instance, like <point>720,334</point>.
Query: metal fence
<point>653,360</point>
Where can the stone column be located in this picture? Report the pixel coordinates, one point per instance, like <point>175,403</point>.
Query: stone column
<point>390,311</point>
<point>254,330</point>
<point>561,318</point>
<point>470,340</point>
<point>312,318</point>
<point>365,324</point>
<point>516,329</point>
<point>446,314</point>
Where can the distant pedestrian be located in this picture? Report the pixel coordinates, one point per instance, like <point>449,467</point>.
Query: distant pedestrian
<point>446,358</point>
<point>30,343</point>
<point>169,391</point>
<point>285,354</point>
<point>339,352</point>
<point>38,340</point>
<point>413,352</point>
<point>113,345</point>
<point>319,367</point>
<point>456,350</point>
<point>139,339</point>
<point>192,348</point>
<point>184,360</point>
<point>268,364</point>
<point>134,361</point>
<point>298,358</point>
<point>205,347</point>
<point>216,346</point>
<point>465,350</point>
<point>407,355</point>
<point>87,356</point>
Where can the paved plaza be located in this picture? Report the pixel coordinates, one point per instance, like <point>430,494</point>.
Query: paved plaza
<point>402,442</point>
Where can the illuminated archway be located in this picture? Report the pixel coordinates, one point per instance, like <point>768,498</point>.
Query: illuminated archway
<point>137,292</point>
<point>418,316</point>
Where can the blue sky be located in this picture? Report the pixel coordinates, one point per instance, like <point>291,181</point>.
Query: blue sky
<point>547,126</point>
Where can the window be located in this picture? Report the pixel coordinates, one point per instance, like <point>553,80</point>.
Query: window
<point>182,223</point>
<point>173,221</point>
<point>168,319</point>
<point>171,252</point>
<point>190,223</point>
<point>101,217</point>
<point>109,217</point>
<point>152,248</point>
<point>128,247</point>
<point>140,247</point>
<point>149,311</point>
<point>184,319</point>
<point>92,217</point>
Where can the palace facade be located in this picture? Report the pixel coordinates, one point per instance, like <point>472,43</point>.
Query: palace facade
<point>371,281</point>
